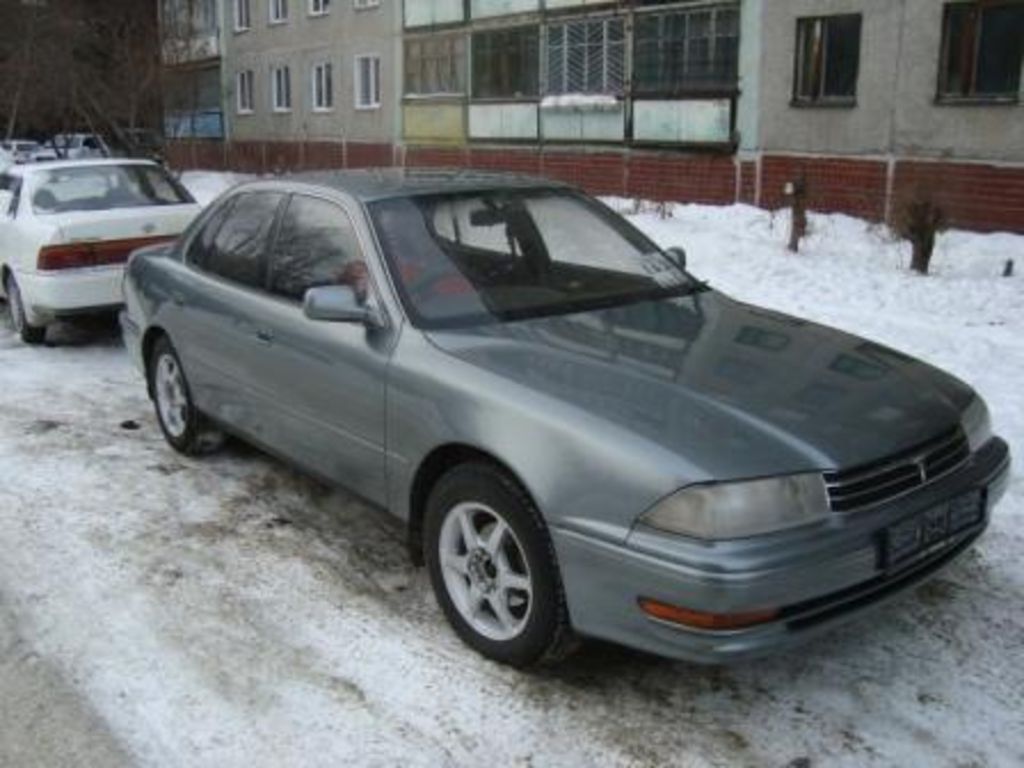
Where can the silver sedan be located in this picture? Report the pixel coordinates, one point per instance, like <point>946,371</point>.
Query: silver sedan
<point>582,439</point>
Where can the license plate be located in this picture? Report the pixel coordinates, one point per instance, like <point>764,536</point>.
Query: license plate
<point>931,530</point>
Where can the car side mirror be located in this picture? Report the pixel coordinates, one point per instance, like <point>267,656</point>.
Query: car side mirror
<point>678,256</point>
<point>339,304</point>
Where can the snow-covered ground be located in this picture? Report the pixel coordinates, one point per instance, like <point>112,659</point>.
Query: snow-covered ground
<point>230,612</point>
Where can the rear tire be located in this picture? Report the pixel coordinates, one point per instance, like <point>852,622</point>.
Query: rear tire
<point>493,567</point>
<point>186,429</point>
<point>30,334</point>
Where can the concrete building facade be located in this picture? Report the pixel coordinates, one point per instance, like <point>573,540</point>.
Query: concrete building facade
<point>192,57</point>
<point>867,103</point>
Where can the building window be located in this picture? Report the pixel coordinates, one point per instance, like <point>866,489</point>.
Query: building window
<point>982,43</point>
<point>586,57</point>
<point>367,82</point>
<point>506,63</point>
<point>827,60</point>
<point>243,18</point>
<point>323,87</point>
<point>319,7</point>
<point>684,52</point>
<point>435,65</point>
<point>282,89</point>
<point>278,11</point>
<point>245,92</point>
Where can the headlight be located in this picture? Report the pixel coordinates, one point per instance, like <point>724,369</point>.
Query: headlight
<point>977,424</point>
<point>739,510</point>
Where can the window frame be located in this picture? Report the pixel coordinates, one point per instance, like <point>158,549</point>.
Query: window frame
<point>242,15</point>
<point>450,41</point>
<point>322,84</point>
<point>365,5</point>
<point>943,95</point>
<point>245,101</point>
<point>319,8</point>
<point>289,198</point>
<point>278,11</point>
<point>277,106</point>
<point>376,89</point>
<point>822,99</point>
<point>680,89</point>
<point>225,211</point>
<point>525,95</point>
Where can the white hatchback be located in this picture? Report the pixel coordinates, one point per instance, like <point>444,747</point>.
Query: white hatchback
<point>68,227</point>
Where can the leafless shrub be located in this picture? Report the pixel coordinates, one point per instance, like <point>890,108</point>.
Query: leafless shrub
<point>919,220</point>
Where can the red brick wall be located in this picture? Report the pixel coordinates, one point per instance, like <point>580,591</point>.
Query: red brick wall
<point>510,160</point>
<point>436,157</point>
<point>367,155</point>
<point>601,173</point>
<point>748,183</point>
<point>834,185</point>
<point>982,197</point>
<point>692,179</point>
<point>973,196</point>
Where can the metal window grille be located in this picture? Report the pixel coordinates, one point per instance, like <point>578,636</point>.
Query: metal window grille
<point>586,57</point>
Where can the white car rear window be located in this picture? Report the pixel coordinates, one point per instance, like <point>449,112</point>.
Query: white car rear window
<point>107,187</point>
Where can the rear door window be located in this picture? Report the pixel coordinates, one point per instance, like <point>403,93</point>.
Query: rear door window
<point>316,246</point>
<point>238,250</point>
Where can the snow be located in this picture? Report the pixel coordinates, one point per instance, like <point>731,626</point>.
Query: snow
<point>207,186</point>
<point>580,101</point>
<point>227,611</point>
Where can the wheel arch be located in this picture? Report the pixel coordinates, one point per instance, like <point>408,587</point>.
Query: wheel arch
<point>149,339</point>
<point>434,465</point>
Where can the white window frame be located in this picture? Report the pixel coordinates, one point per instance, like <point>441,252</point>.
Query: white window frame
<point>319,7</point>
<point>375,82</point>
<point>243,15</point>
<point>278,10</point>
<point>245,96</point>
<point>322,84</point>
<point>362,5</point>
<point>276,92</point>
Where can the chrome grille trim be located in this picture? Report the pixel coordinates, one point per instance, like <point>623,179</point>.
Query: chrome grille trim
<point>882,481</point>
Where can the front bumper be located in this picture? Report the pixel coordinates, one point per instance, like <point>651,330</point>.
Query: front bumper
<point>816,578</point>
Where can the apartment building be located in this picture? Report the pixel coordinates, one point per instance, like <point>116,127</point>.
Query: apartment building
<point>311,74</point>
<point>866,102</point>
<point>192,58</point>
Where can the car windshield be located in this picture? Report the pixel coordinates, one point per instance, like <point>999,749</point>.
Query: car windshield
<point>505,255</point>
<point>105,187</point>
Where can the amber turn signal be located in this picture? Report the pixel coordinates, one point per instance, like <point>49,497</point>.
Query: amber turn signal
<point>701,620</point>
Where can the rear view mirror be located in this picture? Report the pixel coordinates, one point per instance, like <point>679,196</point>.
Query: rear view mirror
<point>678,256</point>
<point>338,304</point>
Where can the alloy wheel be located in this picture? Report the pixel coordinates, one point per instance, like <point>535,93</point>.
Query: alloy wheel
<point>485,571</point>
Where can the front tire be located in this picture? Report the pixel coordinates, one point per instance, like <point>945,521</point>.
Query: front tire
<point>186,429</point>
<point>30,334</point>
<point>493,568</point>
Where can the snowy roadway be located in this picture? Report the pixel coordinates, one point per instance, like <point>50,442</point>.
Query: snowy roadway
<point>229,612</point>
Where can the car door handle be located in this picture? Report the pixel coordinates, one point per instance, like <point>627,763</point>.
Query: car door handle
<point>265,336</point>
<point>178,298</point>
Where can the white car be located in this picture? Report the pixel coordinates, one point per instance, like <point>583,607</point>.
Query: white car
<point>22,149</point>
<point>68,227</point>
<point>80,146</point>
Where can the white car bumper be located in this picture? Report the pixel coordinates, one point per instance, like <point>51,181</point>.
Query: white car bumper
<point>68,292</point>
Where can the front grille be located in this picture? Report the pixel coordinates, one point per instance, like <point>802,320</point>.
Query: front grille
<point>880,481</point>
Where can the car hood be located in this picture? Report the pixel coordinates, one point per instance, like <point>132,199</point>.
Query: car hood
<point>735,390</point>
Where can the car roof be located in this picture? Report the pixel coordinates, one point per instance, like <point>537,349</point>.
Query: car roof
<point>384,183</point>
<point>59,165</point>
